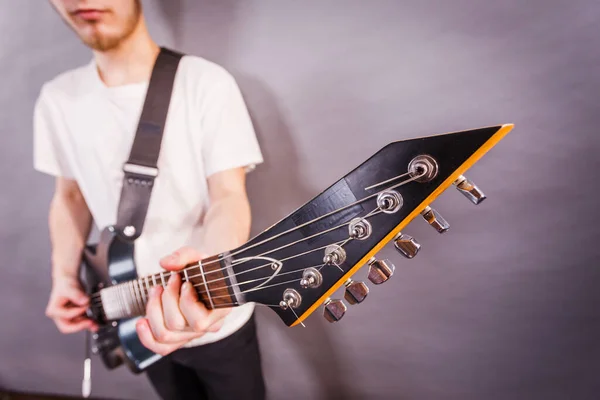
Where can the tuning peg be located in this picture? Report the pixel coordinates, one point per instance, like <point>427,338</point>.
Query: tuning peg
<point>311,278</point>
<point>435,219</point>
<point>469,189</point>
<point>355,292</point>
<point>380,271</point>
<point>406,245</point>
<point>334,310</point>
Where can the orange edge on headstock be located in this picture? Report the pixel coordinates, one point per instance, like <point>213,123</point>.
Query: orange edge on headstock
<point>439,190</point>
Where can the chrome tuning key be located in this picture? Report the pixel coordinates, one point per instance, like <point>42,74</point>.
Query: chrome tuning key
<point>423,168</point>
<point>380,271</point>
<point>311,278</point>
<point>334,255</point>
<point>355,292</point>
<point>334,310</point>
<point>390,201</point>
<point>291,298</point>
<point>359,228</point>
<point>434,219</point>
<point>470,190</point>
<point>406,245</point>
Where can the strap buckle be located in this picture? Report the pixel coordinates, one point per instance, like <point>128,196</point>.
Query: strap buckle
<point>150,172</point>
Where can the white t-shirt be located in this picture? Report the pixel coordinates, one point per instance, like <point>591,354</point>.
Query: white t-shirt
<point>84,130</point>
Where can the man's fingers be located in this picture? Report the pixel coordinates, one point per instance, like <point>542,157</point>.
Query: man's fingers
<point>75,295</point>
<point>216,326</point>
<point>68,326</point>
<point>154,315</point>
<point>149,341</point>
<point>198,317</point>
<point>66,312</point>
<point>180,258</point>
<point>174,321</point>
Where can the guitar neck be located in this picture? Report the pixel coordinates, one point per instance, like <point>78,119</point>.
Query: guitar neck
<point>209,278</point>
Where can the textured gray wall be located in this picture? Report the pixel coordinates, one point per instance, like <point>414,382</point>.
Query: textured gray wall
<point>503,306</point>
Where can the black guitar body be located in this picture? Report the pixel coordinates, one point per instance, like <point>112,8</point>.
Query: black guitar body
<point>108,263</point>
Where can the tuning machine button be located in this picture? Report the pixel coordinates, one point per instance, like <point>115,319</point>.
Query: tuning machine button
<point>355,292</point>
<point>435,219</point>
<point>390,201</point>
<point>291,298</point>
<point>311,278</point>
<point>334,310</point>
<point>380,271</point>
<point>470,190</point>
<point>406,245</point>
<point>334,254</point>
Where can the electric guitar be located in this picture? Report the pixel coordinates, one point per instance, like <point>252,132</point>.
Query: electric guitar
<point>294,266</point>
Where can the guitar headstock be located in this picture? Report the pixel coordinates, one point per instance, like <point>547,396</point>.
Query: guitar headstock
<point>294,266</point>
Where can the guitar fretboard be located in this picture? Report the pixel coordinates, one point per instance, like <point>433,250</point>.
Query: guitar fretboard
<point>208,278</point>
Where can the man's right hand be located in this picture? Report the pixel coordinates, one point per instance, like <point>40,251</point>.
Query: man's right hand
<point>67,306</point>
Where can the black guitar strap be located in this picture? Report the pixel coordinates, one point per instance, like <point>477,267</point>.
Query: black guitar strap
<point>141,168</point>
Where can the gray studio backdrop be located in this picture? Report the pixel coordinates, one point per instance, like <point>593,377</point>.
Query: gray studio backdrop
<point>504,306</point>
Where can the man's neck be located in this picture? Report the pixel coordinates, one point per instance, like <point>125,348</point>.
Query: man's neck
<point>130,62</point>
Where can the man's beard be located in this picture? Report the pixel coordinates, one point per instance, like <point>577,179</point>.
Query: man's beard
<point>105,42</point>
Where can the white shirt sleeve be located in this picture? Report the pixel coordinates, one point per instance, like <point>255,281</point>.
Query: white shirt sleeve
<point>48,153</point>
<point>228,139</point>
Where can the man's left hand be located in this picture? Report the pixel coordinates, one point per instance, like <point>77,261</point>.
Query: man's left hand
<point>174,315</point>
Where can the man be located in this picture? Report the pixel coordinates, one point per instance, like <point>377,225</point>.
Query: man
<point>84,124</point>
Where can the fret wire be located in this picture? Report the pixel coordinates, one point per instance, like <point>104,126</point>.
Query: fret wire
<point>162,278</point>
<point>139,294</point>
<point>212,305</point>
<point>142,291</point>
<point>129,298</point>
<point>132,297</point>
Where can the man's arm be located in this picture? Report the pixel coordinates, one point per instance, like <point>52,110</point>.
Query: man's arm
<point>227,222</point>
<point>69,223</point>
<point>174,316</point>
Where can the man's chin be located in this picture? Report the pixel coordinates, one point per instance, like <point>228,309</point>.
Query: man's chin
<point>100,42</point>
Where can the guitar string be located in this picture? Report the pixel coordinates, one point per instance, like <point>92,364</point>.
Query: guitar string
<point>158,275</point>
<point>248,282</point>
<point>252,290</point>
<point>141,300</point>
<point>370,214</point>
<point>140,293</point>
<point>302,225</point>
<point>343,242</point>
<point>339,243</point>
<point>144,290</point>
<point>140,305</point>
<point>322,216</point>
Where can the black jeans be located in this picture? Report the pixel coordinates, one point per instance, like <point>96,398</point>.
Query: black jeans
<point>227,369</point>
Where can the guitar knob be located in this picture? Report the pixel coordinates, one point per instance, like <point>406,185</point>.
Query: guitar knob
<point>406,245</point>
<point>434,219</point>
<point>470,190</point>
<point>380,271</point>
<point>355,292</point>
<point>334,310</point>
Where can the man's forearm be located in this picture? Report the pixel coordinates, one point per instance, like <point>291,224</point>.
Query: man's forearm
<point>226,224</point>
<point>69,223</point>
